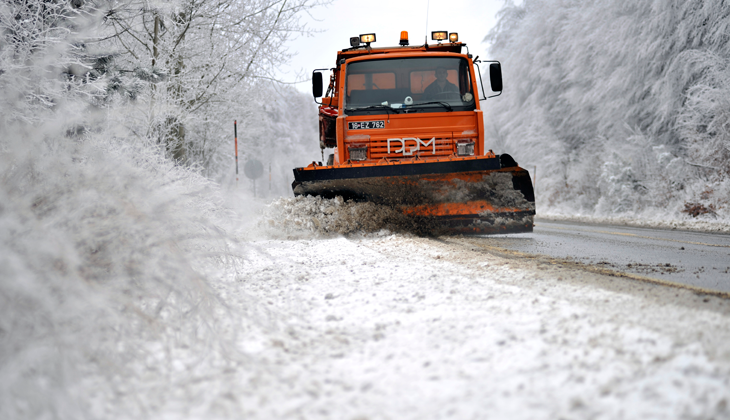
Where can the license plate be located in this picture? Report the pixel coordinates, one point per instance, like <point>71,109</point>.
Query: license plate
<point>365,125</point>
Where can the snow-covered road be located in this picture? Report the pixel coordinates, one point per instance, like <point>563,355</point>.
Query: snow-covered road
<point>390,326</point>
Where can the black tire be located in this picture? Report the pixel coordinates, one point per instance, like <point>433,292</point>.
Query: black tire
<point>506,161</point>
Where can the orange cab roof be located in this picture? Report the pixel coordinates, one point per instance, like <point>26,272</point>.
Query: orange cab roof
<point>454,47</point>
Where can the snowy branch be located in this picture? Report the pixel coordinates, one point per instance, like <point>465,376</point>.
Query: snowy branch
<point>697,165</point>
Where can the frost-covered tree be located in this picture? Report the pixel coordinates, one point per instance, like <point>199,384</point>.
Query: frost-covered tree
<point>619,104</point>
<point>281,132</point>
<point>198,61</point>
<point>44,63</point>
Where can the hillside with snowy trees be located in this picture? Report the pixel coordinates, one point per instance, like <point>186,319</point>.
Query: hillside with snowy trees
<point>622,107</point>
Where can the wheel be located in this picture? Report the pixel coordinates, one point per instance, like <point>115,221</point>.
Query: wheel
<point>506,161</point>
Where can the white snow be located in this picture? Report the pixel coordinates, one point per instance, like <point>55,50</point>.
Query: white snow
<point>392,326</point>
<point>292,319</point>
<point>648,219</point>
<point>388,326</point>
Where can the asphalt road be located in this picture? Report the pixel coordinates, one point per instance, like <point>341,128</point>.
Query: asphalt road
<point>698,260</point>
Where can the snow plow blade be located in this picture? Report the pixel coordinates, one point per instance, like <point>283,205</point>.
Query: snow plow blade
<point>476,195</point>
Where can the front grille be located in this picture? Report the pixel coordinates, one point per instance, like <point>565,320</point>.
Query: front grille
<point>379,148</point>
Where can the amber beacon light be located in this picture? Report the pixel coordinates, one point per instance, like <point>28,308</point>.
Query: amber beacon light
<point>453,37</point>
<point>404,38</point>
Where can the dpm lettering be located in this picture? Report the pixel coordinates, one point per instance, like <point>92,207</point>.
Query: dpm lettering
<point>415,148</point>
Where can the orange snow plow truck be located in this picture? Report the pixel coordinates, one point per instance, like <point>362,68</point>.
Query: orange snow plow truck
<point>406,130</point>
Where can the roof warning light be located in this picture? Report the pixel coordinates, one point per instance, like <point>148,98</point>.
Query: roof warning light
<point>404,38</point>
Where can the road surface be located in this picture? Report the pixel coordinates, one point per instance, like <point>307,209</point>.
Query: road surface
<point>694,259</point>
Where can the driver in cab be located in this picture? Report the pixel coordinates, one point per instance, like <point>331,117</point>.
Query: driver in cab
<point>440,86</point>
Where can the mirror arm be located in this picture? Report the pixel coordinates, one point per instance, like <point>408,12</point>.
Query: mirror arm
<point>481,83</point>
<point>331,87</point>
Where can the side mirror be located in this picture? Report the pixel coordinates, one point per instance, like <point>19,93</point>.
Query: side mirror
<point>317,85</point>
<point>495,77</point>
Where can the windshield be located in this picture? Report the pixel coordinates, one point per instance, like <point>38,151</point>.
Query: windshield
<point>409,84</point>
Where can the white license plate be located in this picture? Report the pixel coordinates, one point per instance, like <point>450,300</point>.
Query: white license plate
<point>366,125</point>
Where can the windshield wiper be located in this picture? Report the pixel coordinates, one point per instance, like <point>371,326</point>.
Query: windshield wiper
<point>386,107</point>
<point>444,104</point>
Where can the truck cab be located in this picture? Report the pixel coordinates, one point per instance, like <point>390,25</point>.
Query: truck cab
<point>402,102</point>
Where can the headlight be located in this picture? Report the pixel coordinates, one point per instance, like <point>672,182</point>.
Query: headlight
<point>367,38</point>
<point>439,35</point>
<point>358,152</point>
<point>464,148</point>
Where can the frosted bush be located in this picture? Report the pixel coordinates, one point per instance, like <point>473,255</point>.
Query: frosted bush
<point>106,256</point>
<point>110,253</point>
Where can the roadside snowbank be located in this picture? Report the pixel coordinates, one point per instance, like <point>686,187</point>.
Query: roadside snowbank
<point>706,224</point>
<point>392,326</point>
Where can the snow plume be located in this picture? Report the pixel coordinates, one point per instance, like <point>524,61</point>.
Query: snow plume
<point>303,216</point>
<point>621,106</point>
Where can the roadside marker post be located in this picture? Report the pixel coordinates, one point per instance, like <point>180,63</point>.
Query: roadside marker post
<point>235,137</point>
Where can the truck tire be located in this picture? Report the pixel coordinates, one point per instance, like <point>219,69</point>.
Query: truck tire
<point>506,161</point>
